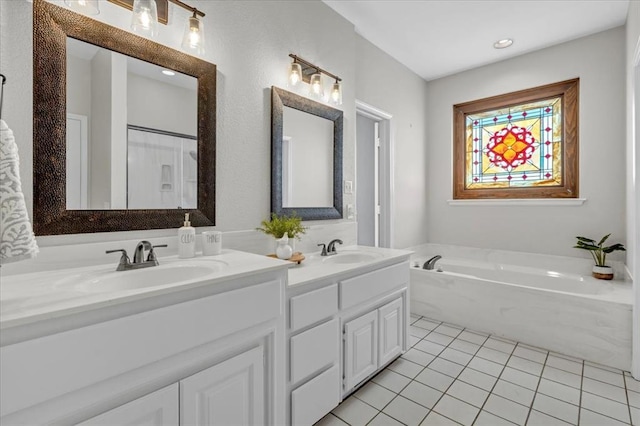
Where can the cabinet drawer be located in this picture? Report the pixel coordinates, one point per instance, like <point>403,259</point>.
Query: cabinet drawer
<point>314,349</point>
<point>361,288</point>
<point>313,400</point>
<point>314,306</point>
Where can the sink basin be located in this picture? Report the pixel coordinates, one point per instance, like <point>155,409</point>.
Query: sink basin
<point>350,257</point>
<point>164,274</point>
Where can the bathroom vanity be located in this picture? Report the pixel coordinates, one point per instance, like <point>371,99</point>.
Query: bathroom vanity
<point>79,347</point>
<point>232,339</point>
<point>347,318</point>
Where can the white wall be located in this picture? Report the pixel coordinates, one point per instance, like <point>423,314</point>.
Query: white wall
<point>148,105</point>
<point>249,42</point>
<point>633,168</point>
<point>78,92</point>
<point>388,85</point>
<point>599,62</point>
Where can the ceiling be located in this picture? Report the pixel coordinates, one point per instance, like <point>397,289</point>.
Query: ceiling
<point>436,38</point>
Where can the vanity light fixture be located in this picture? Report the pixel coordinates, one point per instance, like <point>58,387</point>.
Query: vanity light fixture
<point>145,21</point>
<point>502,44</point>
<point>90,7</point>
<point>302,70</point>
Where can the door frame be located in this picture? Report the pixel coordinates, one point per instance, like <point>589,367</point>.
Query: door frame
<point>635,208</point>
<point>386,170</point>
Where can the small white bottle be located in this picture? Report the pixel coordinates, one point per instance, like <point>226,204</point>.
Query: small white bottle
<point>186,239</point>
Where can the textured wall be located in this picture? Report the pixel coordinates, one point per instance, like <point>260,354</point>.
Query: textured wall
<point>599,62</point>
<point>390,86</point>
<point>249,41</point>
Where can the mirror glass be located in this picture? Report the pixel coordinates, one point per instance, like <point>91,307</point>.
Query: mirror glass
<point>307,160</point>
<point>306,157</point>
<point>131,148</point>
<point>131,132</point>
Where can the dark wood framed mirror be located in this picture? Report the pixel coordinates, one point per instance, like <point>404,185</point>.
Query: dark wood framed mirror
<point>306,157</point>
<point>53,26</point>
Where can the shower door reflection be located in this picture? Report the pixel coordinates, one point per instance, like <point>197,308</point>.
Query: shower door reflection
<point>161,169</point>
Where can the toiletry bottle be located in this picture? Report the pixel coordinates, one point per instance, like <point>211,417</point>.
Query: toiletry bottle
<point>186,239</point>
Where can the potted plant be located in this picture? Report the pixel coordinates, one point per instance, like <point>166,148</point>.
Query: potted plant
<point>599,253</point>
<point>281,224</point>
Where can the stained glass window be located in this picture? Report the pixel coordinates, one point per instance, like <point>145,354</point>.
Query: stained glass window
<point>516,150</point>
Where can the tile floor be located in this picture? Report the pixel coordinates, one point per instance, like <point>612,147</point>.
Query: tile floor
<point>454,376</point>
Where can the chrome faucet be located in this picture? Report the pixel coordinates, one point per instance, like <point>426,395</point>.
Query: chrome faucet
<point>331,247</point>
<point>431,263</point>
<point>125,264</point>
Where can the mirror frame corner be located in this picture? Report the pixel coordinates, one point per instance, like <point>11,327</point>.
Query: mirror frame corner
<point>51,26</point>
<point>279,99</point>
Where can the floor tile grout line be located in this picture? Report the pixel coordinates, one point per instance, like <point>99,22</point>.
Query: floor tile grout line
<point>627,390</point>
<point>454,379</point>
<point>535,393</point>
<point>504,366</point>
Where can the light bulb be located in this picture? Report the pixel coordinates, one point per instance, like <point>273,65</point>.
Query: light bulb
<point>145,17</point>
<point>295,73</point>
<point>336,93</point>
<point>316,85</point>
<point>193,39</point>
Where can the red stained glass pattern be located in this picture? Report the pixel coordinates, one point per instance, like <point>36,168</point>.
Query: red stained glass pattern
<point>510,147</point>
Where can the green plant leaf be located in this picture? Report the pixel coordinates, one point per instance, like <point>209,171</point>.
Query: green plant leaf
<point>615,247</point>
<point>603,239</point>
<point>586,240</point>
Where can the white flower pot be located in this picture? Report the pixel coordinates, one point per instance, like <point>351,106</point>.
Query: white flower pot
<point>603,272</point>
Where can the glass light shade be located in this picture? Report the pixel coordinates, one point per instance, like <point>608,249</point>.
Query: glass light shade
<point>336,93</point>
<point>193,40</point>
<point>89,7</point>
<point>316,85</point>
<point>144,20</point>
<point>295,73</point>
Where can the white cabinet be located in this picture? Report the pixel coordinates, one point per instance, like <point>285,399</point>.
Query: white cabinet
<point>159,408</point>
<point>371,341</point>
<point>360,348</point>
<point>390,321</point>
<point>227,394</point>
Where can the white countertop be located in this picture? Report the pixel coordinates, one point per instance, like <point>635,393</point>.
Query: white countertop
<point>316,267</point>
<point>41,296</point>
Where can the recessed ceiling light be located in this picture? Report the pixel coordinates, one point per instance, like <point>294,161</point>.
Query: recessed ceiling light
<point>501,44</point>
<point>168,72</point>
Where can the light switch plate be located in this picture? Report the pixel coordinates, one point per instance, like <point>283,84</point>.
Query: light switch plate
<point>348,187</point>
<point>350,211</point>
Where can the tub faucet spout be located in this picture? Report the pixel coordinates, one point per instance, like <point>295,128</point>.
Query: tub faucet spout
<point>431,263</point>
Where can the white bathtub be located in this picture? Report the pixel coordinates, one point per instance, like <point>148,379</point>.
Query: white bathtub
<point>552,306</point>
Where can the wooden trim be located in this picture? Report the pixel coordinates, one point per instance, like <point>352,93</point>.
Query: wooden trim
<point>569,92</point>
<point>51,26</point>
<point>279,99</point>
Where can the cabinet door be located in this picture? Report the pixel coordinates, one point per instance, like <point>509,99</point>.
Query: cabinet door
<point>391,332</point>
<point>229,393</point>
<point>361,348</point>
<point>159,408</point>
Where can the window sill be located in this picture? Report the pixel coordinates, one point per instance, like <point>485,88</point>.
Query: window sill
<point>520,202</point>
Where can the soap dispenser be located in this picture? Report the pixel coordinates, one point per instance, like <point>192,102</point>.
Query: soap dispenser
<point>284,250</point>
<point>186,239</point>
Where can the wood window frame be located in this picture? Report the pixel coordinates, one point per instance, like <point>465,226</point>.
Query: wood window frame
<point>568,91</point>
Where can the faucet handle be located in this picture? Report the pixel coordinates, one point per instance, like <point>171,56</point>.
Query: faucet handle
<point>152,254</point>
<point>124,259</point>
<point>324,249</point>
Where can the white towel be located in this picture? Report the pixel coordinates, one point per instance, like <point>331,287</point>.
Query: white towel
<point>17,241</point>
